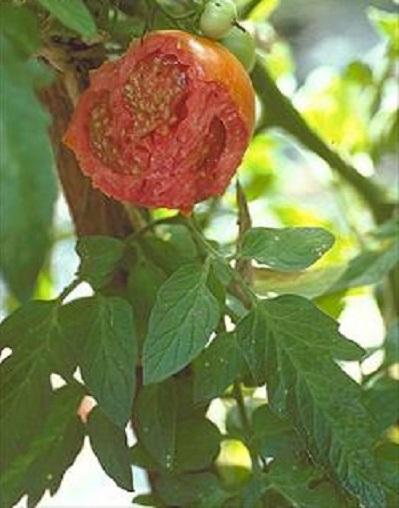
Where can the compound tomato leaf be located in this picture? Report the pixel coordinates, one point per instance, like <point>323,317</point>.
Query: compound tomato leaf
<point>99,257</point>
<point>387,454</point>
<point>178,440</point>
<point>51,452</point>
<point>27,177</point>
<point>298,344</point>
<point>157,410</point>
<point>25,395</point>
<point>181,322</point>
<point>301,318</point>
<point>391,344</point>
<point>292,481</point>
<point>147,500</point>
<point>34,331</point>
<point>110,446</point>
<point>203,489</point>
<point>217,367</point>
<point>140,457</point>
<point>273,436</point>
<point>145,279</point>
<point>381,399</point>
<point>103,335</point>
<point>73,14</point>
<point>197,444</point>
<point>286,249</point>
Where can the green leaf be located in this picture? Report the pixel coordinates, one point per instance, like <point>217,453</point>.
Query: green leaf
<point>286,249</point>
<point>387,24</point>
<point>202,490</point>
<point>171,252</point>
<point>140,457</point>
<point>148,500</point>
<point>99,257</point>
<point>388,229</point>
<point>217,367</point>
<point>302,319</point>
<point>181,322</point>
<point>388,462</point>
<point>293,345</point>
<point>103,336</point>
<point>39,348</point>
<point>73,14</point>
<point>51,452</point>
<point>273,436</point>
<point>309,283</point>
<point>370,267</point>
<point>381,398</point>
<point>28,186</point>
<point>391,344</point>
<point>20,26</point>
<point>110,446</point>
<point>293,482</point>
<point>145,279</point>
<point>177,440</point>
<point>34,331</point>
<point>25,394</point>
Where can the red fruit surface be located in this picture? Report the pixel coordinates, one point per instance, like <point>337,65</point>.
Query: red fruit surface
<point>167,124</point>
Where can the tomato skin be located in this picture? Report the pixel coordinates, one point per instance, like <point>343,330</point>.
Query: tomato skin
<point>242,45</point>
<point>217,18</point>
<point>154,144</point>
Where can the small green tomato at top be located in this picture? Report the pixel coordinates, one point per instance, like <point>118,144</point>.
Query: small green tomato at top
<point>242,45</point>
<point>217,18</point>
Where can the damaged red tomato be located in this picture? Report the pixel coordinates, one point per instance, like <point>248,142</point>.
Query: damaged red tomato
<point>167,124</point>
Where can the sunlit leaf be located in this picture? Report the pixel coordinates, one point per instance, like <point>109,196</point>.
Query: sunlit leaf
<point>293,345</point>
<point>286,249</point>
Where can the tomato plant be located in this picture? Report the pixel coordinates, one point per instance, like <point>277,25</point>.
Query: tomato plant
<point>180,269</point>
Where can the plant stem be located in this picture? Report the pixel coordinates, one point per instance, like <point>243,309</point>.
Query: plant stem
<point>239,287</point>
<point>68,289</point>
<point>246,424</point>
<point>279,112</point>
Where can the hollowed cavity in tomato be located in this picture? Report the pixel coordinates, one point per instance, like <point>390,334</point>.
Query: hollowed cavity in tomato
<point>160,128</point>
<point>154,91</point>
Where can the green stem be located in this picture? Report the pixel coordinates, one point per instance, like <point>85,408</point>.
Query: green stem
<point>68,289</point>
<point>246,424</point>
<point>240,287</point>
<point>279,112</point>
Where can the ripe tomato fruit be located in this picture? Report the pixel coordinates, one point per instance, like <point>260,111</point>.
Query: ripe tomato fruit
<point>242,45</point>
<point>167,124</point>
<point>217,18</point>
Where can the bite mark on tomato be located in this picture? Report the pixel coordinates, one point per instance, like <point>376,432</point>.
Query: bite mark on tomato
<point>166,125</point>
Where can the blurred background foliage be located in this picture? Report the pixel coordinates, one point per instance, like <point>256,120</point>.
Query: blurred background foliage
<point>337,62</point>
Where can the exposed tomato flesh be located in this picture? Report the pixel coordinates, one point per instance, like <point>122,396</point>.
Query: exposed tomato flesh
<point>152,128</point>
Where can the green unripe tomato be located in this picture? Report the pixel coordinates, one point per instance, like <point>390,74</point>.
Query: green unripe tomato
<point>217,18</point>
<point>242,45</point>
